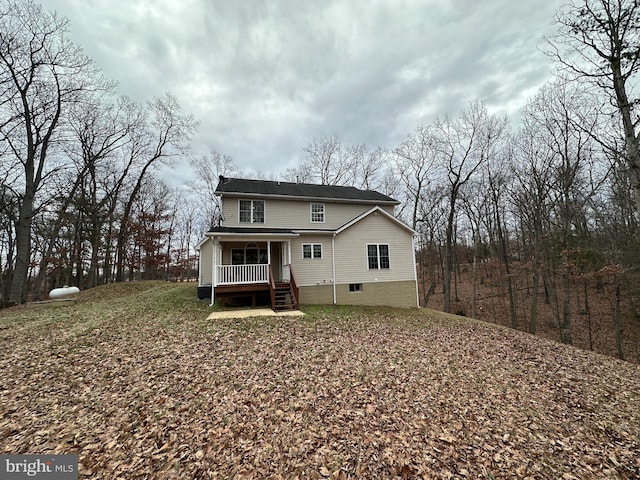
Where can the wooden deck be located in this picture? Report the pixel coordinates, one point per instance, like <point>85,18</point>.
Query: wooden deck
<point>253,290</point>
<point>283,295</point>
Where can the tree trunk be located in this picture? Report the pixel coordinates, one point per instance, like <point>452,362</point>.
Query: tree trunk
<point>587,310</point>
<point>551,294</point>
<point>55,232</point>
<point>533,322</point>
<point>446,287</point>
<point>617,324</point>
<point>504,254</point>
<point>448,254</point>
<point>565,331</point>
<point>631,140</point>
<point>18,289</point>
<point>474,276</point>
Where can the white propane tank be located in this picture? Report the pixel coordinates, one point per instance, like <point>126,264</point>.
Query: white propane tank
<point>63,292</point>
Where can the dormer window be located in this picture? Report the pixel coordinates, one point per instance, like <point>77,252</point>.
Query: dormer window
<point>251,211</point>
<point>317,213</point>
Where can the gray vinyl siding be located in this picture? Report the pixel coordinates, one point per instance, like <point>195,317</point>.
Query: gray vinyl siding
<point>206,251</point>
<point>296,214</point>
<point>312,271</point>
<point>351,252</point>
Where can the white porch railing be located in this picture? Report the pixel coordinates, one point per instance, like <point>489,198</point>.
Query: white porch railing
<point>242,274</point>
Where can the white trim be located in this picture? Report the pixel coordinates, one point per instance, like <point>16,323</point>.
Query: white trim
<point>379,256</point>
<point>200,264</point>
<point>269,252</point>
<point>255,236</point>
<point>324,212</point>
<point>375,210</point>
<point>248,246</point>
<point>202,242</point>
<point>214,254</point>
<point>252,273</point>
<point>313,256</point>
<point>333,266</point>
<point>306,199</point>
<point>300,232</point>
<point>252,222</point>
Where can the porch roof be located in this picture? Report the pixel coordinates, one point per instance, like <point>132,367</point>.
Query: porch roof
<point>251,232</point>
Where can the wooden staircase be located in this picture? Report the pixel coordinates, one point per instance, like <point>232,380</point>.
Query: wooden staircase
<point>284,298</point>
<point>284,295</point>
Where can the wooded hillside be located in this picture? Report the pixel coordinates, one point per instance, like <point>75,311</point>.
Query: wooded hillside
<point>549,204</point>
<point>139,384</point>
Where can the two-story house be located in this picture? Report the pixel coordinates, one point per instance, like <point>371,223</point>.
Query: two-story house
<point>307,244</point>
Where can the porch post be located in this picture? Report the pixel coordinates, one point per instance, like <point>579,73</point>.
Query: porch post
<point>268,252</point>
<point>214,264</point>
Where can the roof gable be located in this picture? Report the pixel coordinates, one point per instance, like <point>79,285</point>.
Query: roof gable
<point>376,210</point>
<point>241,186</point>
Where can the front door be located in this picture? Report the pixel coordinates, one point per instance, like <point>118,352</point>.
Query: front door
<point>284,256</point>
<point>276,261</point>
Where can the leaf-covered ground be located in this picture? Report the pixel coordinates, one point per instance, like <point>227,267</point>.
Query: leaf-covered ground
<point>139,384</point>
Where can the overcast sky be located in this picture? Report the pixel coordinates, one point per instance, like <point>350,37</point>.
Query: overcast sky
<point>264,78</point>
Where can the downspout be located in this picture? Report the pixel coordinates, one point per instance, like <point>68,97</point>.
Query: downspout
<point>415,269</point>
<point>333,261</point>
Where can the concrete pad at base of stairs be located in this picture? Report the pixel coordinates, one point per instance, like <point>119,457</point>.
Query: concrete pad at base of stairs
<point>254,312</point>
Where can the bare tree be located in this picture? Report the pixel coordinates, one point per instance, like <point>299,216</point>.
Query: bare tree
<point>599,40</point>
<point>498,180</point>
<point>208,170</point>
<point>165,137</point>
<point>98,129</point>
<point>186,236</point>
<point>432,214</point>
<point>328,162</point>
<point>475,201</point>
<point>532,171</point>
<point>464,144</point>
<point>416,166</point>
<point>572,173</point>
<point>41,74</point>
<point>370,169</point>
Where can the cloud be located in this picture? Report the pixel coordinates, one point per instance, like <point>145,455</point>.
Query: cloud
<point>266,78</point>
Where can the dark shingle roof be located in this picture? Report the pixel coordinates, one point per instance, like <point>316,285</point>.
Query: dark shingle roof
<point>246,230</point>
<point>301,190</point>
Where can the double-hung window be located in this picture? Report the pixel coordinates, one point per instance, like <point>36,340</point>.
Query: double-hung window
<point>251,211</point>
<point>312,250</point>
<point>317,213</point>
<point>378,256</point>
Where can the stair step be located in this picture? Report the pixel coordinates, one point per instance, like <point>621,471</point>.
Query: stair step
<point>283,297</point>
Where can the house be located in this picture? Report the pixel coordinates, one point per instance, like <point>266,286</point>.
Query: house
<point>307,244</point>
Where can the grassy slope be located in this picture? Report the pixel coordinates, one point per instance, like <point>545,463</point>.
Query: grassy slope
<point>135,380</point>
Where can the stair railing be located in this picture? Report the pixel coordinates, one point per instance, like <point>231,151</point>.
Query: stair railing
<point>272,288</point>
<point>294,287</point>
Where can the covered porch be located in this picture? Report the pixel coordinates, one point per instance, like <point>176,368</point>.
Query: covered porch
<point>252,266</point>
